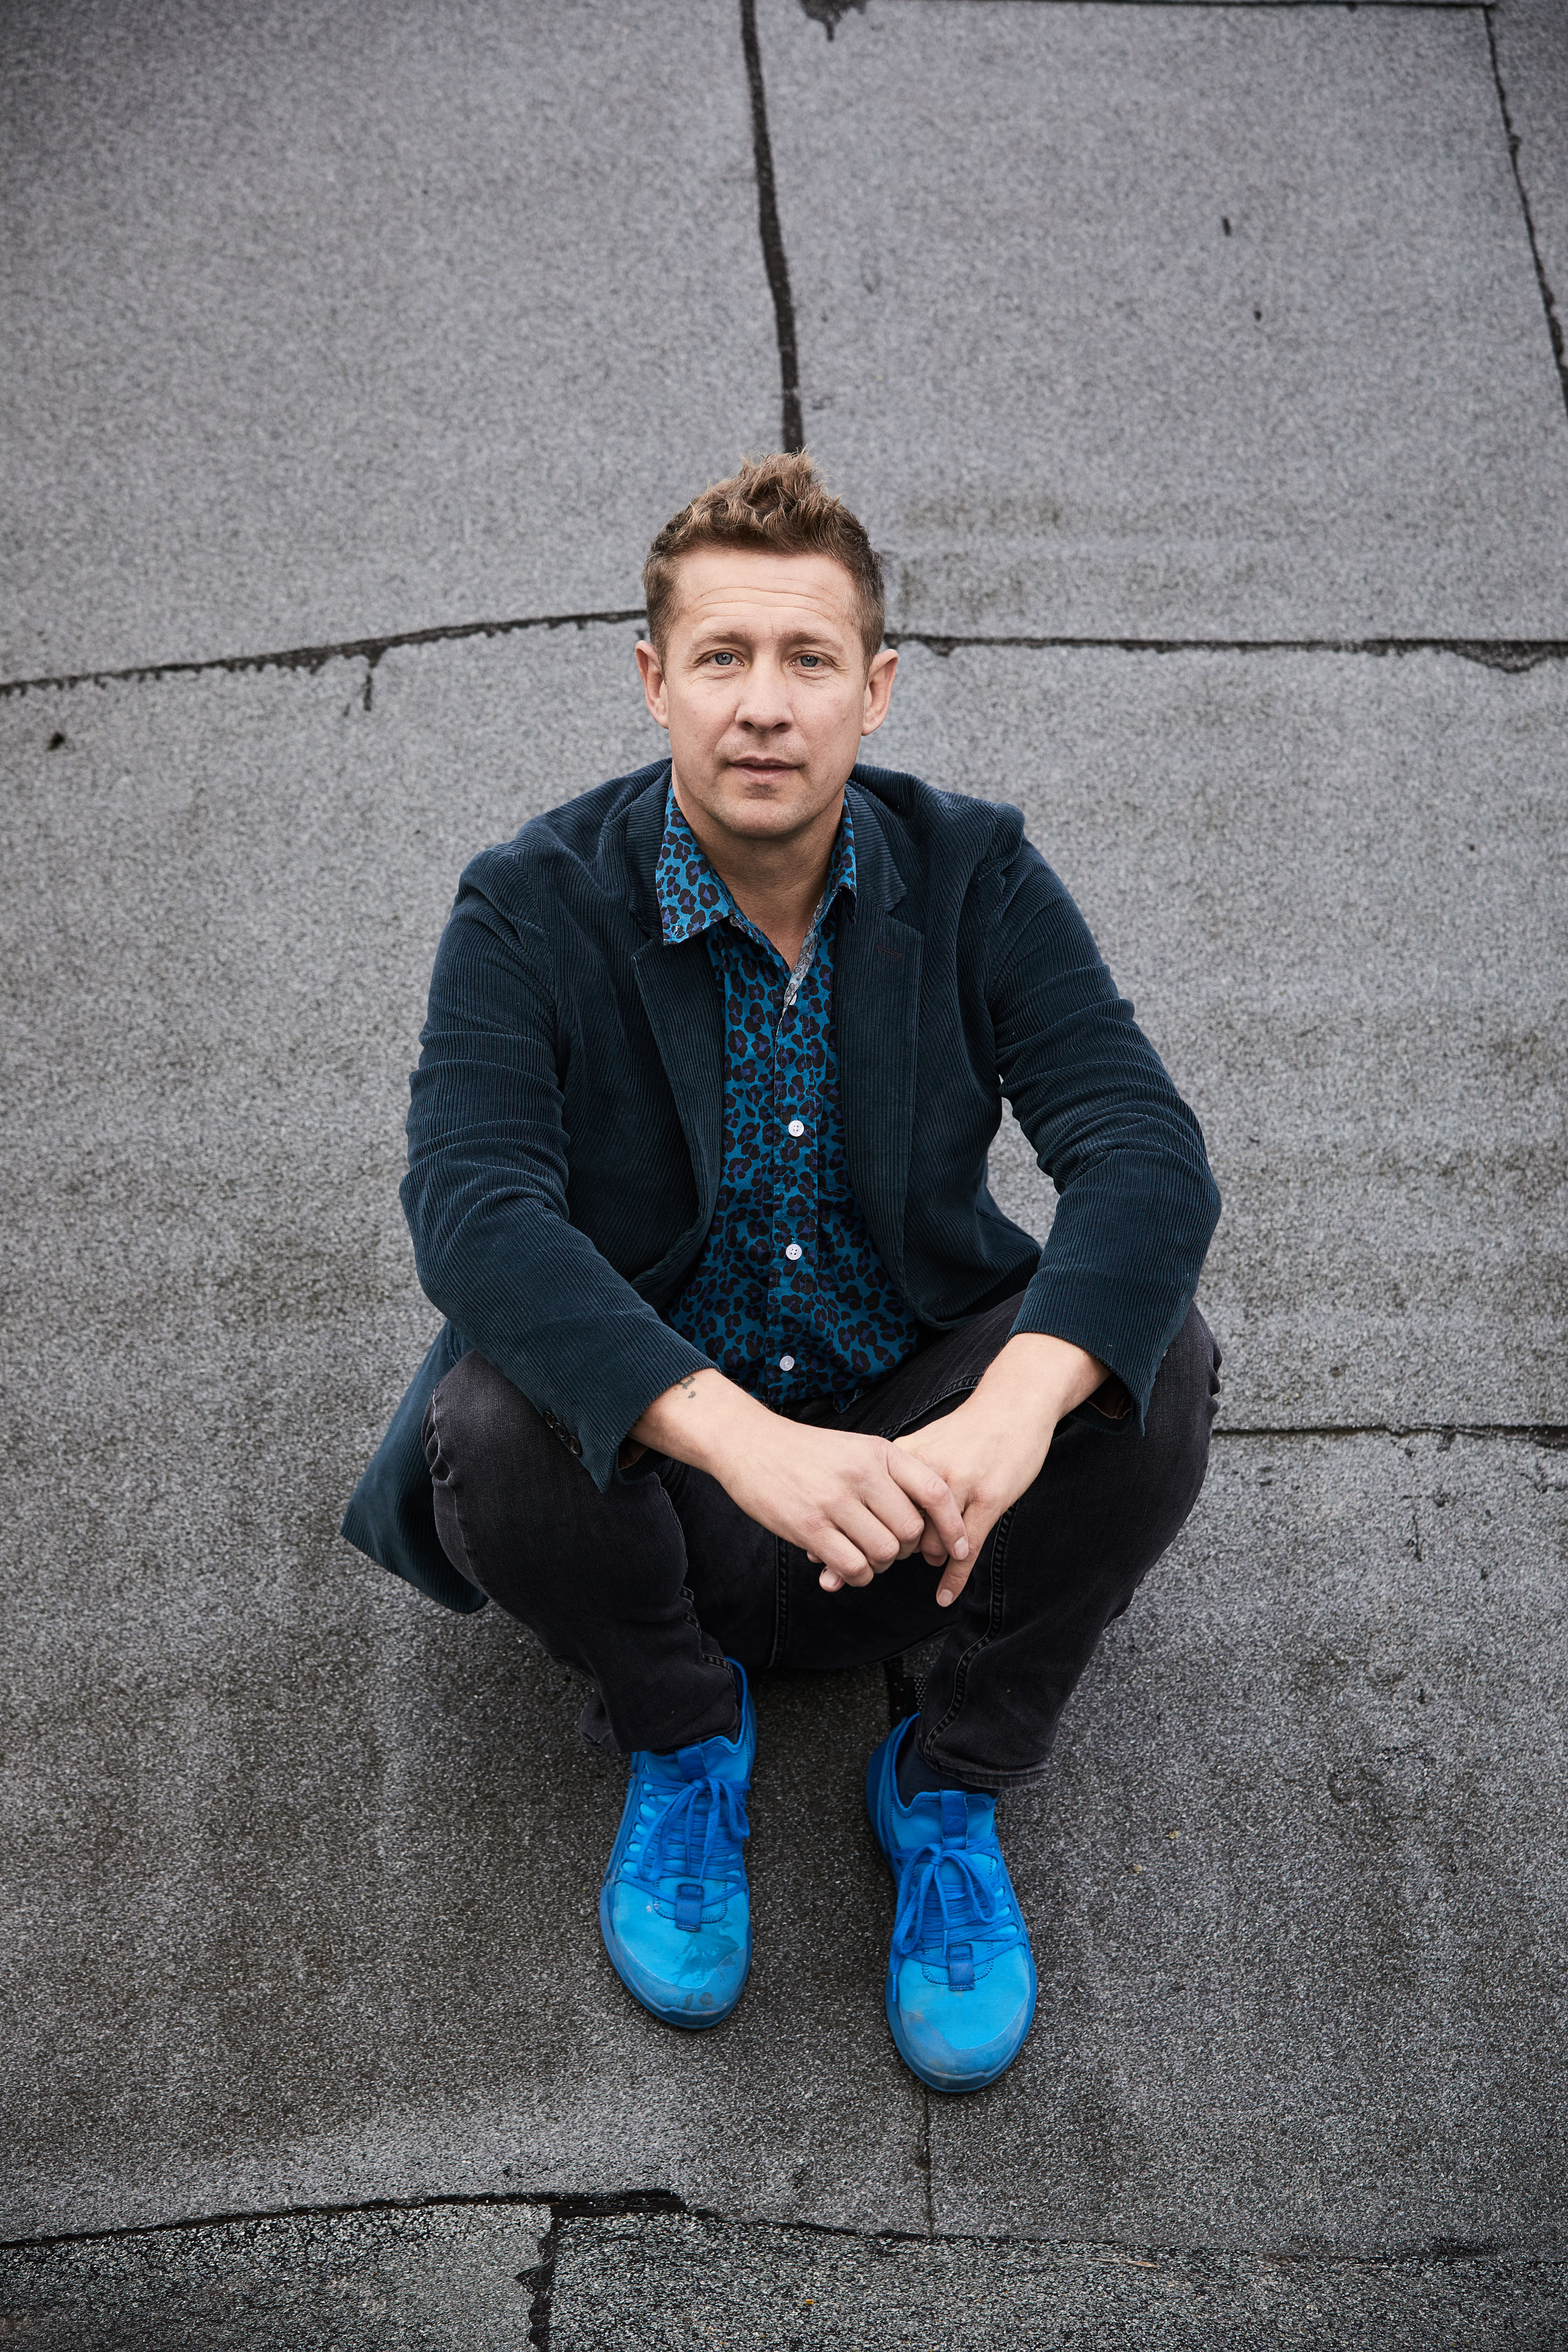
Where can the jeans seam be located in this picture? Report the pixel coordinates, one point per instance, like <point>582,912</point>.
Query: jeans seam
<point>465,1567</point>
<point>780,1600</point>
<point>992,1626</point>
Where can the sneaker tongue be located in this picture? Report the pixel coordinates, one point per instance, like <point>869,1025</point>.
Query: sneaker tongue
<point>942,1815</point>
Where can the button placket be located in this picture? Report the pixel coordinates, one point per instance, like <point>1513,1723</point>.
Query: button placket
<point>791,1080</point>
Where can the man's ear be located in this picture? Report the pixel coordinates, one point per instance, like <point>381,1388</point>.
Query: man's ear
<point>878,687</point>
<point>653,685</point>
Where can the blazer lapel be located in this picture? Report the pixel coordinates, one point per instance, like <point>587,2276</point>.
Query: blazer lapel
<point>680,995</point>
<point>876,1008</point>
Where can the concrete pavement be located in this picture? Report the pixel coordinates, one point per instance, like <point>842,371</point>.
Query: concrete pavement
<point>303,1869</point>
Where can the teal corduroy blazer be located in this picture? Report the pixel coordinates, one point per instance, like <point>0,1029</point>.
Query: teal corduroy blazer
<point>566,1125</point>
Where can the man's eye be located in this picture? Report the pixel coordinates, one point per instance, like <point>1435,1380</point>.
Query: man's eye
<point>723,657</point>
<point>811,661</point>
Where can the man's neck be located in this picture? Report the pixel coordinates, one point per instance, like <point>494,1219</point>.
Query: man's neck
<point>776,882</point>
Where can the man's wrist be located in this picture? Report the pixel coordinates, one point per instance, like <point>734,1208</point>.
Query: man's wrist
<point>699,1421</point>
<point>1041,1375</point>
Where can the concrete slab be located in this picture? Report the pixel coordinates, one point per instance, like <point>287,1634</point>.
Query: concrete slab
<point>652,2284</point>
<point>1331,886</point>
<point>454,2279</point>
<point>1532,38</point>
<point>1298,1881</point>
<point>323,323</point>
<point>304,1871</point>
<point>1110,327</point>
<point>447,2279</point>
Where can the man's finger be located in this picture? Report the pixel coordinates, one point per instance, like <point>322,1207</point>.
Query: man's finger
<point>955,1577</point>
<point>956,1574</point>
<point>923,1485</point>
<point>903,1522</point>
<point>842,1561</point>
<point>865,1526</point>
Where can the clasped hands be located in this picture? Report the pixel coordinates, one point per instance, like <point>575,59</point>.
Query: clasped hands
<point>857,1504</point>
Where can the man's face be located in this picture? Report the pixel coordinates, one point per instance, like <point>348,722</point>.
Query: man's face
<point>765,689</point>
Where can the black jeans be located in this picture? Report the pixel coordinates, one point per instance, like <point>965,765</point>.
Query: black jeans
<point>647,1588</point>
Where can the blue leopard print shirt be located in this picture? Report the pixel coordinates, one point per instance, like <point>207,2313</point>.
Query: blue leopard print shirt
<point>789,1297</point>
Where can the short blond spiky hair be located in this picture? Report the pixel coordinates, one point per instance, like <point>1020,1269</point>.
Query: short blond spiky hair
<point>775,502</point>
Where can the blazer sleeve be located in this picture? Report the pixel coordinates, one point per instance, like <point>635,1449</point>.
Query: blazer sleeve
<point>1138,1204</point>
<point>486,1199</point>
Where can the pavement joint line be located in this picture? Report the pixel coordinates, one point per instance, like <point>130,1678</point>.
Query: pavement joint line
<point>830,12</point>
<point>818,10</point>
<point>924,2164</point>
<point>1512,655</point>
<point>1553,324</point>
<point>566,2205</point>
<point>1552,1434</point>
<point>311,659</point>
<point>776,261</point>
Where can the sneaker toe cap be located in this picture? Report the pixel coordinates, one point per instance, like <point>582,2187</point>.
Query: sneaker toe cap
<point>961,2040</point>
<point>686,1976</point>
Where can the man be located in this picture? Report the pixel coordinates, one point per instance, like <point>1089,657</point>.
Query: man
<point>743,1365</point>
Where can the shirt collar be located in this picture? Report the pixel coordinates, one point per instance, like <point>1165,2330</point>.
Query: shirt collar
<point>691,897</point>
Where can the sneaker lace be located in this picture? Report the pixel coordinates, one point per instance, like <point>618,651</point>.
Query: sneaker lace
<point>698,1835</point>
<point>931,1908</point>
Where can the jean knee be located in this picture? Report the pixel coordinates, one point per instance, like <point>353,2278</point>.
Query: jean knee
<point>1186,1392</point>
<point>471,1413</point>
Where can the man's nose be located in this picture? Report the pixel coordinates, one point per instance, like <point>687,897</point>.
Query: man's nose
<point>764,700</point>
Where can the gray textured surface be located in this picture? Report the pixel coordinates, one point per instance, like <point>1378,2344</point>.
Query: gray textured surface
<point>324,320</point>
<point>1532,38</point>
<point>1334,887</point>
<point>652,2285</point>
<point>1298,1883</point>
<point>305,1869</point>
<point>311,1868</point>
<point>457,2281</point>
<point>448,2280</point>
<point>1074,421</point>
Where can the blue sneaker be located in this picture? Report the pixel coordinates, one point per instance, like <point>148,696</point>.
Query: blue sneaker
<point>674,1909</point>
<point>961,1977</point>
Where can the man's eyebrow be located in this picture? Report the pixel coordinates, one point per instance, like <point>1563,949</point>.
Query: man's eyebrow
<point>793,633</point>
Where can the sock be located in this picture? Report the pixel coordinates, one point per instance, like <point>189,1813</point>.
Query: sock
<point>916,1777</point>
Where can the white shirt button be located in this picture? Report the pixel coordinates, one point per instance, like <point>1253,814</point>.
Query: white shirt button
<point>792,1251</point>
<point>787,1363</point>
<point>797,1127</point>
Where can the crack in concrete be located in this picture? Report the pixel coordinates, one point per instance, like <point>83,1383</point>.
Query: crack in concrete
<point>1548,300</point>
<point>314,658</point>
<point>610,2207</point>
<point>828,13</point>
<point>1552,1436</point>
<point>1511,654</point>
<point>566,2205</point>
<point>775,260</point>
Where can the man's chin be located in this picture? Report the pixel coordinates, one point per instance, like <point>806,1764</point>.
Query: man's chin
<point>758,800</point>
<point>761,803</point>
